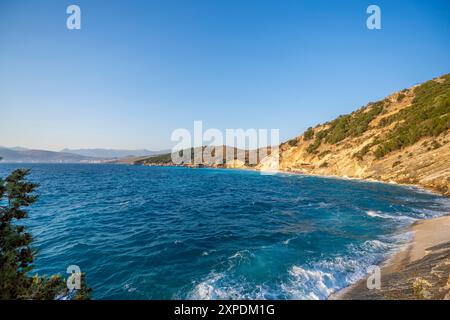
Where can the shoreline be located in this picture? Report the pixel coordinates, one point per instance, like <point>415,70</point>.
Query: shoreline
<point>416,187</point>
<point>431,240</point>
<point>419,271</point>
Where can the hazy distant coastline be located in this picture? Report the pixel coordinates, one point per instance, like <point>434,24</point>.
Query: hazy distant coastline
<point>24,155</point>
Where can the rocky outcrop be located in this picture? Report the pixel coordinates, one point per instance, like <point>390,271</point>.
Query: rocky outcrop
<point>404,138</point>
<point>425,162</point>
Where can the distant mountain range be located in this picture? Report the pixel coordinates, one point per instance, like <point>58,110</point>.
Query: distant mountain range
<point>36,156</point>
<point>23,155</point>
<point>113,153</point>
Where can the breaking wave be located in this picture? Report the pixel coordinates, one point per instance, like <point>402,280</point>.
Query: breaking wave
<point>378,214</point>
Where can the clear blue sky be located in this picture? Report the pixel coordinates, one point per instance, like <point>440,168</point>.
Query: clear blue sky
<point>137,70</point>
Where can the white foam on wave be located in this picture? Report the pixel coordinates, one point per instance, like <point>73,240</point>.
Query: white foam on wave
<point>402,238</point>
<point>371,213</point>
<point>379,214</point>
<point>219,286</point>
<point>314,280</point>
<point>129,288</point>
<point>287,241</point>
<point>309,284</point>
<point>319,279</point>
<point>206,290</point>
<point>207,252</point>
<point>240,257</point>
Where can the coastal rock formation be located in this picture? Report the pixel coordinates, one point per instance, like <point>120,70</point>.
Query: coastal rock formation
<point>404,138</point>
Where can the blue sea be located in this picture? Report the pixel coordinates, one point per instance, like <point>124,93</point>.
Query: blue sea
<point>178,233</point>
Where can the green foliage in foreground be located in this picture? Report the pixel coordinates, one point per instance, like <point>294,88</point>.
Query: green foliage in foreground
<point>16,255</point>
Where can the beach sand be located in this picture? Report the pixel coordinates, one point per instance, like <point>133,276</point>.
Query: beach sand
<point>420,271</point>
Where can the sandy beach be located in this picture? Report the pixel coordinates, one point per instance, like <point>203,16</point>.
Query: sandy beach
<point>420,271</point>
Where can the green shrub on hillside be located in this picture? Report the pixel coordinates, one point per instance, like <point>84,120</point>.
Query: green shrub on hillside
<point>351,125</point>
<point>164,158</point>
<point>435,145</point>
<point>428,116</point>
<point>324,165</point>
<point>361,153</point>
<point>400,97</point>
<point>312,148</point>
<point>292,142</point>
<point>309,134</point>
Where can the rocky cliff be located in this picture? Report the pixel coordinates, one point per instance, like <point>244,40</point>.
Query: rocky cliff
<point>403,138</point>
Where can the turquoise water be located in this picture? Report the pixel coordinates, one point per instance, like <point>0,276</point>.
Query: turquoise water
<point>173,233</point>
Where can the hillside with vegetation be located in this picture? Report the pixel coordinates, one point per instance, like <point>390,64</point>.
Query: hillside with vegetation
<point>219,157</point>
<point>403,138</point>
